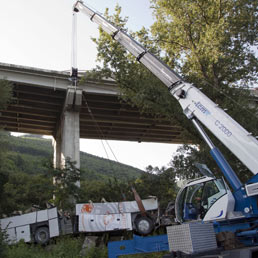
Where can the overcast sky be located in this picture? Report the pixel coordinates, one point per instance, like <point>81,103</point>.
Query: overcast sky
<point>37,33</point>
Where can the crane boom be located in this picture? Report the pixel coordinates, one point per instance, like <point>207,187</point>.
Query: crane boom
<point>194,103</point>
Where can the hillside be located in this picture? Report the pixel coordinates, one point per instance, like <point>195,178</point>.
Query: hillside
<point>26,178</point>
<point>30,154</point>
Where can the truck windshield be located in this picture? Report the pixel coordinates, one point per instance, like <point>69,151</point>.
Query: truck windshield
<point>195,200</point>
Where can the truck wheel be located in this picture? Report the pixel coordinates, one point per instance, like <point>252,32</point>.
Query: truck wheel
<point>42,235</point>
<point>144,225</point>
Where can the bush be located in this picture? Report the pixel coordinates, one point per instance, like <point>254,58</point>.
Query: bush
<point>97,252</point>
<point>64,247</point>
<point>23,250</point>
<point>3,245</point>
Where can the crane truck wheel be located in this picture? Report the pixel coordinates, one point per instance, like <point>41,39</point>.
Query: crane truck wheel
<point>144,225</point>
<point>42,235</point>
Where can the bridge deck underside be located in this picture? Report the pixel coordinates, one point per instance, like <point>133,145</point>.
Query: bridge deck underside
<point>38,110</point>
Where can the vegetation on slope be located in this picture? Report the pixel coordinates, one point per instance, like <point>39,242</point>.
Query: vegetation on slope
<point>29,154</point>
<point>27,178</point>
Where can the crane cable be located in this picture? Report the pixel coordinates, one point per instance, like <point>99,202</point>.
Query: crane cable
<point>74,78</point>
<point>74,69</point>
<point>100,131</point>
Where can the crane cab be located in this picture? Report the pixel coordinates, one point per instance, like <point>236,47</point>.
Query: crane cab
<point>205,198</point>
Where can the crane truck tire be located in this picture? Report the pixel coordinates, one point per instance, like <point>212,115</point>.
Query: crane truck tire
<point>144,225</point>
<point>42,235</point>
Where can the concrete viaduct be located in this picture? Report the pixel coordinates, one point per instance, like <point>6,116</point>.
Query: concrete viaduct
<point>45,103</point>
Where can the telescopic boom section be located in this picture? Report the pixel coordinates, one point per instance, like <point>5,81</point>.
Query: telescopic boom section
<point>158,68</point>
<point>193,102</point>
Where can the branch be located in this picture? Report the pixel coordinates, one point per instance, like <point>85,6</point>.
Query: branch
<point>170,42</point>
<point>203,13</point>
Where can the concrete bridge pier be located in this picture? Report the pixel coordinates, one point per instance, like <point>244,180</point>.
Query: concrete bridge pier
<point>66,142</point>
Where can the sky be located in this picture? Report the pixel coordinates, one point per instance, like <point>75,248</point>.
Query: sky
<point>37,33</point>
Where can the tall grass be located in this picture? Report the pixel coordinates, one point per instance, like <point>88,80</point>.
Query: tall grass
<point>63,247</point>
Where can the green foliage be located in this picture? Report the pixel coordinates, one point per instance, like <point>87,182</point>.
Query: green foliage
<point>3,180</point>
<point>22,250</point>
<point>65,247</point>
<point>111,190</point>
<point>3,244</point>
<point>26,176</point>
<point>32,155</point>
<point>96,252</point>
<point>4,140</point>
<point>158,182</point>
<point>66,189</point>
<point>27,154</point>
<point>209,40</point>
<point>183,163</point>
<point>18,160</point>
<point>186,157</point>
<point>21,191</point>
<point>5,93</point>
<point>96,168</point>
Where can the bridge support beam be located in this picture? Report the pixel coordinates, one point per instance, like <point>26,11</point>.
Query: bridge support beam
<point>66,142</point>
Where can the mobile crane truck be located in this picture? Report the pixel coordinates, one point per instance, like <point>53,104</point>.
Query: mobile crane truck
<point>227,211</point>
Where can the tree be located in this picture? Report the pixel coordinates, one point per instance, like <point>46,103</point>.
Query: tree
<point>209,40</point>
<point>5,96</point>
<point>66,189</point>
<point>158,182</point>
<point>210,43</point>
<point>22,191</point>
<point>5,93</point>
<point>3,245</point>
<point>183,162</point>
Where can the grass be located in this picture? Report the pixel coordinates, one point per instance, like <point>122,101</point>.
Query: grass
<point>63,247</point>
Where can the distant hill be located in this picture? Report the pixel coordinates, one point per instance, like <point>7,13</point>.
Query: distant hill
<point>30,154</point>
